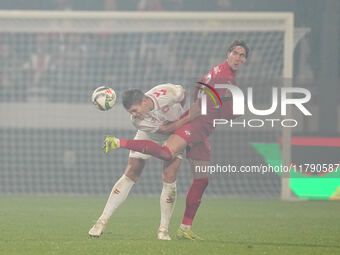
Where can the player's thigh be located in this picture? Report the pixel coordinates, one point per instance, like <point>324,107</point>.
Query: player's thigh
<point>176,144</point>
<point>134,168</point>
<point>141,135</point>
<point>171,168</point>
<point>198,168</point>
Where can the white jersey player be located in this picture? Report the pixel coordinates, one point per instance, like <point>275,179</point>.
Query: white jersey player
<point>159,106</point>
<point>167,100</point>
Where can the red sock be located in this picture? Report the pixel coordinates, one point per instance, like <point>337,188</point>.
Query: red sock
<point>147,147</point>
<point>193,199</point>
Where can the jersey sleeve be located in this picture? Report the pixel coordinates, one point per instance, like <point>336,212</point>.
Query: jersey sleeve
<point>166,95</point>
<point>178,94</point>
<point>206,78</point>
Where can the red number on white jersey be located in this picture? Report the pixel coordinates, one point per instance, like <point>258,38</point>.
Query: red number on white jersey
<point>162,91</point>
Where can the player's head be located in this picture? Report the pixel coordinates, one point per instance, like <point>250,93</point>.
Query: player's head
<point>237,54</point>
<point>136,103</point>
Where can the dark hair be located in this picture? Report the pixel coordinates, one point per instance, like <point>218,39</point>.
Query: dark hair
<point>241,43</point>
<point>131,97</point>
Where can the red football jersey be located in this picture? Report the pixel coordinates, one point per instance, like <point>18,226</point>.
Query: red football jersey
<point>220,74</point>
<point>196,133</point>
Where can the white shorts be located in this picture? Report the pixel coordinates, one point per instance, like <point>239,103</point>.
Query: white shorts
<point>157,138</point>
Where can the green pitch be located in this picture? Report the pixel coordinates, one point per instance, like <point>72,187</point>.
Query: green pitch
<point>59,225</point>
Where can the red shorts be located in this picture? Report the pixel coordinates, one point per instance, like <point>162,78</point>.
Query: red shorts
<point>196,134</point>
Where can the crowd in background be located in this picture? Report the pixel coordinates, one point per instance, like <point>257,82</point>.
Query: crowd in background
<point>61,67</point>
<point>48,59</point>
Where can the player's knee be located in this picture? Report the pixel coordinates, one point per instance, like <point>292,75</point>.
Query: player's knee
<point>166,153</point>
<point>201,183</point>
<point>205,181</point>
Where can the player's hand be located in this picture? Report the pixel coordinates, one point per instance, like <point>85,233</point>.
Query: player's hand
<point>110,143</point>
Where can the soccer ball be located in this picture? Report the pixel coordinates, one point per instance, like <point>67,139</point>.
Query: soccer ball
<point>104,98</point>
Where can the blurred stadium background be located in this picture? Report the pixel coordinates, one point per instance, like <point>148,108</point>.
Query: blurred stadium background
<point>54,53</point>
<point>51,134</point>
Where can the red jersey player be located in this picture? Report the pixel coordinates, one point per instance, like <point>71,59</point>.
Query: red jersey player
<point>192,132</point>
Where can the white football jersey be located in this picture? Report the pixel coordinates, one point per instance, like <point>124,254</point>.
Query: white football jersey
<point>167,107</point>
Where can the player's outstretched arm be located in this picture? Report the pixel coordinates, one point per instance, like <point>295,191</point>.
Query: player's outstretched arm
<point>194,112</point>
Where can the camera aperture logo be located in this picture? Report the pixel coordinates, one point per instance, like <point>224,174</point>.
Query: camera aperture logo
<point>298,97</point>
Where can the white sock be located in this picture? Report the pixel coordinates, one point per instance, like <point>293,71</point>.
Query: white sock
<point>185,227</point>
<point>119,193</point>
<point>167,203</point>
